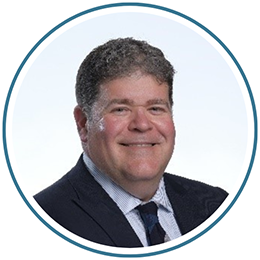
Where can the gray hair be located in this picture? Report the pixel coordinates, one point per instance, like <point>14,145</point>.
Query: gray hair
<point>115,59</point>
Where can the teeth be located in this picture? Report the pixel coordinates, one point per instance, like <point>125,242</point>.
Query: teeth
<point>141,145</point>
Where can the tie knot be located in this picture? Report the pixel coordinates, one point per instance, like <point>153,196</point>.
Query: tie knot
<point>148,208</point>
<point>148,213</point>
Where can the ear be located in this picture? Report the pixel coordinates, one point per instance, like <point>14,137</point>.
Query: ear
<point>81,120</point>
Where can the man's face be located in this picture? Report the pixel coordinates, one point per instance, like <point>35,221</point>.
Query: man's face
<point>131,137</point>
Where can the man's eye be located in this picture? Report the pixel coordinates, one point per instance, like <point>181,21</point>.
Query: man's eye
<point>157,110</point>
<point>120,110</point>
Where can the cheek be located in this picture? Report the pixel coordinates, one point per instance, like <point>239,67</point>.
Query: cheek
<point>113,127</point>
<point>171,129</point>
<point>166,128</point>
<point>106,130</point>
<point>100,125</point>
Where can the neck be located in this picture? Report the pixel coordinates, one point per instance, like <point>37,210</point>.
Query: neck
<point>143,190</point>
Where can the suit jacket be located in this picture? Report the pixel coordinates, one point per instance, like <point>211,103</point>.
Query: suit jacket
<point>78,203</point>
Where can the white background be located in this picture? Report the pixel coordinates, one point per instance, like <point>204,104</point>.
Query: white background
<point>209,110</point>
<point>23,24</point>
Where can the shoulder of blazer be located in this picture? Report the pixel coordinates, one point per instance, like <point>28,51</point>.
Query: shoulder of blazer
<point>193,202</point>
<point>78,203</point>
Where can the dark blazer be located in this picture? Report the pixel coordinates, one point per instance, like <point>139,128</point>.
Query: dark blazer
<point>78,203</point>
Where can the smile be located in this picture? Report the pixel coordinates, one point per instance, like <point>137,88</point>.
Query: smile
<point>139,145</point>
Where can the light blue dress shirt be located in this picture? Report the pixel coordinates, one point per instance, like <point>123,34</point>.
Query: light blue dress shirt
<point>127,204</point>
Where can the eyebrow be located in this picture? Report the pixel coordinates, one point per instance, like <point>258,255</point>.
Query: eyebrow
<point>130,102</point>
<point>158,101</point>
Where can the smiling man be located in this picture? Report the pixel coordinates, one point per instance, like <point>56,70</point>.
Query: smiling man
<point>118,193</point>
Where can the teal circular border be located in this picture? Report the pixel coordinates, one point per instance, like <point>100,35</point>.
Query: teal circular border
<point>138,5</point>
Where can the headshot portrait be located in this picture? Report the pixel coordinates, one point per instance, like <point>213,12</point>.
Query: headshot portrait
<point>118,191</point>
<point>129,137</point>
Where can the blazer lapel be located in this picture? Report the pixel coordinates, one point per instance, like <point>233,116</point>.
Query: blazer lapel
<point>96,202</point>
<point>188,212</point>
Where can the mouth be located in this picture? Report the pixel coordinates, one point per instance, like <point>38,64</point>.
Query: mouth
<point>139,144</point>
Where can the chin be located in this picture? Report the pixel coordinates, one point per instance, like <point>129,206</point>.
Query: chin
<point>143,173</point>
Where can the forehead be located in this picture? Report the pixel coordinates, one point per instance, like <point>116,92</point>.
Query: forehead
<point>135,89</point>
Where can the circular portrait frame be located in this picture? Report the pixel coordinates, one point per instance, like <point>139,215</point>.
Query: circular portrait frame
<point>252,155</point>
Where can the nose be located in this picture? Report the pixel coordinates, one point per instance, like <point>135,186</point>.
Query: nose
<point>140,121</point>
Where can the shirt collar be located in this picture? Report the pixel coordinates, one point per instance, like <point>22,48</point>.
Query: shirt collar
<point>125,201</point>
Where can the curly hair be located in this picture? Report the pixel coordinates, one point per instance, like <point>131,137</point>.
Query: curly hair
<point>119,58</point>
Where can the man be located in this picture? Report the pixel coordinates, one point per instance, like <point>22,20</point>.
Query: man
<point>124,120</point>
